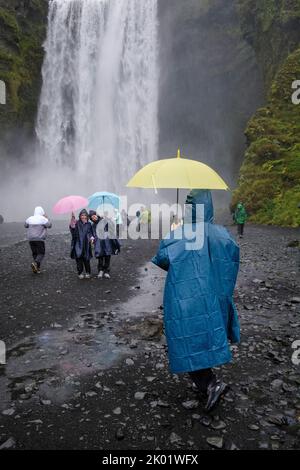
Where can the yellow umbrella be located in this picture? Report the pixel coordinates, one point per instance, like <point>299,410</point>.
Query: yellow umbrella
<point>180,173</point>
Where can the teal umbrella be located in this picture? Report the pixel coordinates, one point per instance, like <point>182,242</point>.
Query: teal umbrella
<point>104,199</point>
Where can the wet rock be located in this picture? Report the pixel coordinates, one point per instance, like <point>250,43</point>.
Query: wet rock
<point>175,439</point>
<point>9,412</point>
<point>216,442</point>
<point>129,362</point>
<point>277,384</point>
<point>190,404</point>
<point>163,404</point>
<point>45,402</point>
<point>253,427</point>
<point>218,425</point>
<point>139,395</point>
<point>9,444</point>
<point>263,445</point>
<point>248,307</point>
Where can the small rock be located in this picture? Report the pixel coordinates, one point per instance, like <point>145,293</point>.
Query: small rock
<point>174,438</point>
<point>253,427</point>
<point>8,412</point>
<point>190,404</point>
<point>129,362</point>
<point>216,442</point>
<point>139,395</point>
<point>277,384</point>
<point>218,425</point>
<point>117,411</point>
<point>45,402</point>
<point>9,444</point>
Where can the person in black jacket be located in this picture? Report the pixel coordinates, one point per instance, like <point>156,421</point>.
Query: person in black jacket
<point>82,238</point>
<point>106,242</point>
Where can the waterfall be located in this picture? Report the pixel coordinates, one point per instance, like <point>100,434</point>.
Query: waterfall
<point>98,111</point>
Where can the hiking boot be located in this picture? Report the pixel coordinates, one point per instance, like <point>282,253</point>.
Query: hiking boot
<point>215,391</point>
<point>100,275</point>
<point>81,276</point>
<point>34,267</point>
<point>107,276</point>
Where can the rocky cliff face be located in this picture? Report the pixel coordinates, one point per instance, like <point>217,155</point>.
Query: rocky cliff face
<point>22,32</point>
<point>269,180</point>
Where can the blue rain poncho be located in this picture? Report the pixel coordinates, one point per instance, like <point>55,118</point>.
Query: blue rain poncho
<point>199,313</point>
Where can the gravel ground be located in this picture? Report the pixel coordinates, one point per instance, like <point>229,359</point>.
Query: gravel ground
<point>86,360</point>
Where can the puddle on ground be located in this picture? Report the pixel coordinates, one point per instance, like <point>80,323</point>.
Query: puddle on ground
<point>50,366</point>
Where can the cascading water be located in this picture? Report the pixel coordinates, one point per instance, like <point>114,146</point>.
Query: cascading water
<point>98,106</point>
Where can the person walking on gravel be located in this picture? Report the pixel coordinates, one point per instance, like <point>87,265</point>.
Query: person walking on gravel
<point>37,226</point>
<point>240,217</point>
<point>200,317</point>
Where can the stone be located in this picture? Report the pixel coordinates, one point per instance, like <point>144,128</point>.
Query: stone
<point>190,404</point>
<point>216,442</point>
<point>9,444</point>
<point>8,412</point>
<point>139,395</point>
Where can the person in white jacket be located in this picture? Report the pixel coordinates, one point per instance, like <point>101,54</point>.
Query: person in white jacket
<point>37,226</point>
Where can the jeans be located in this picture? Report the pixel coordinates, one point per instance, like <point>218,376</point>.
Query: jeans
<point>38,251</point>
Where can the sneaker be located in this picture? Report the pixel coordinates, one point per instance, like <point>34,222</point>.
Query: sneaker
<point>81,276</point>
<point>88,276</point>
<point>215,391</point>
<point>34,267</point>
<point>107,276</point>
<point>100,275</point>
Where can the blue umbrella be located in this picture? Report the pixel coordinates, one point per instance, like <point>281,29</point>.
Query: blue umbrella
<point>103,198</point>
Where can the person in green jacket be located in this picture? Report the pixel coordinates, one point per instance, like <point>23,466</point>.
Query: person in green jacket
<point>240,217</point>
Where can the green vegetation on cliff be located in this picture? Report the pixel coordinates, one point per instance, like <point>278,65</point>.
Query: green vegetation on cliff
<point>269,182</point>
<point>22,32</point>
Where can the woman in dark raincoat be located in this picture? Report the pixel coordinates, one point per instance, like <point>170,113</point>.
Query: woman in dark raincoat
<point>82,237</point>
<point>105,242</point>
<point>199,313</point>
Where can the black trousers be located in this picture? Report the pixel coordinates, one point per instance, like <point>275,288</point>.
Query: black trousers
<point>104,263</point>
<point>241,229</point>
<point>202,378</point>
<point>82,263</point>
<point>38,251</point>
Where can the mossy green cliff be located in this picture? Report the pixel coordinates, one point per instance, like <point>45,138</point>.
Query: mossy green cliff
<point>269,182</point>
<point>22,32</point>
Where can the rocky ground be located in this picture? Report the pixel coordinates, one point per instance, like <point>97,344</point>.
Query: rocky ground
<point>86,360</point>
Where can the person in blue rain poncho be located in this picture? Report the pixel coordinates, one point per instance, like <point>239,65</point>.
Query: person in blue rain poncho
<point>200,317</point>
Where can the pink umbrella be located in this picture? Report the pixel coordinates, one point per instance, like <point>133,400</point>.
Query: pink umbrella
<point>70,204</point>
